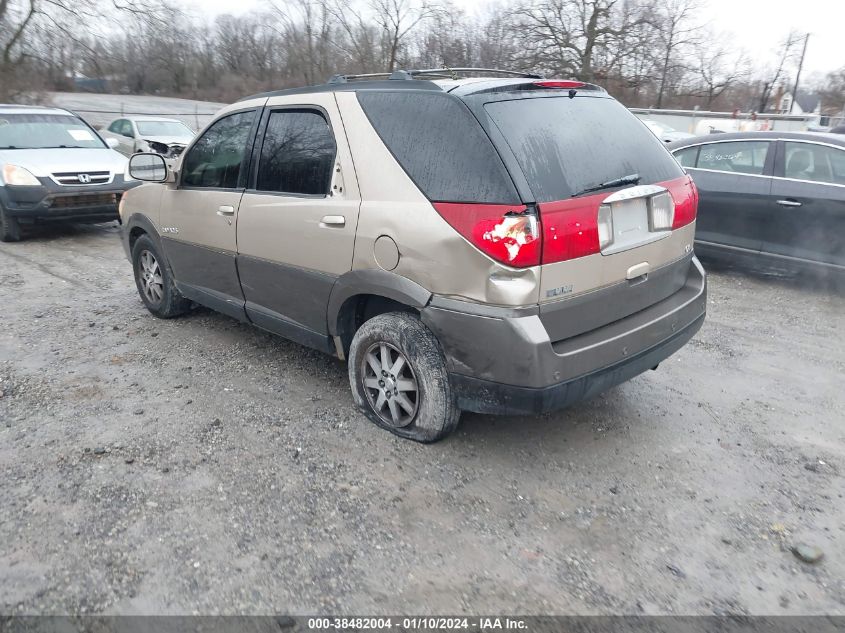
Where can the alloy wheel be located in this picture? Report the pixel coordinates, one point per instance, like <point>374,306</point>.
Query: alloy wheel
<point>152,283</point>
<point>390,385</point>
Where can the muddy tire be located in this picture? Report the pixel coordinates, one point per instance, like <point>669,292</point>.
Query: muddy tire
<point>10,228</point>
<point>154,281</point>
<point>399,380</point>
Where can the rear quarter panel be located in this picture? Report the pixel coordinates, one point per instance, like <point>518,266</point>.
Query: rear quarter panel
<point>432,253</point>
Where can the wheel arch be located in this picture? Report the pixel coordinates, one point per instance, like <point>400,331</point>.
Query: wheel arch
<point>136,225</point>
<point>362,294</point>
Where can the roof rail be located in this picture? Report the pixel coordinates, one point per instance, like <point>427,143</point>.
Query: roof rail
<point>452,73</point>
<point>342,79</point>
<point>428,73</point>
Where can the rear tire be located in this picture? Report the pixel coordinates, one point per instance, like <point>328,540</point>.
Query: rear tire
<point>399,379</point>
<point>10,228</point>
<point>155,282</point>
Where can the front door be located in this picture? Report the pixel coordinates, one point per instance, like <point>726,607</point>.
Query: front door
<point>808,203</point>
<point>297,220</point>
<point>199,215</point>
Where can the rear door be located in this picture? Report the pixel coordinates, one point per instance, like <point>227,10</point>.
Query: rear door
<point>297,220</point>
<point>734,184</point>
<point>199,216</point>
<point>807,210</point>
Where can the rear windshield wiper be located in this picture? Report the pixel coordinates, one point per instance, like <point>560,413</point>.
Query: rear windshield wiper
<point>631,179</point>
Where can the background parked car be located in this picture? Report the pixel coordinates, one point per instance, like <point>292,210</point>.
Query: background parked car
<point>664,132</point>
<point>159,135</point>
<point>775,195</point>
<point>54,166</point>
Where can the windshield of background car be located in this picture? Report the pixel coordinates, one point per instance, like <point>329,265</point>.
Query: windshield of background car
<point>38,131</point>
<point>163,128</point>
<point>565,145</point>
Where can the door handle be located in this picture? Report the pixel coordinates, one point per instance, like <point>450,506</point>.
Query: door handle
<point>789,203</point>
<point>333,220</point>
<point>226,209</point>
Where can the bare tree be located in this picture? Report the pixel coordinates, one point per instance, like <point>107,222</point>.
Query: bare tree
<point>677,33</point>
<point>719,68</point>
<point>396,19</point>
<point>785,57</point>
<point>568,36</point>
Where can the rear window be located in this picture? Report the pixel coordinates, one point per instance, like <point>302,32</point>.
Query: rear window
<point>566,145</point>
<point>440,145</point>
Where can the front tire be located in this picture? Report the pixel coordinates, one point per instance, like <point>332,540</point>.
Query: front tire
<point>155,282</point>
<point>399,379</point>
<point>10,228</point>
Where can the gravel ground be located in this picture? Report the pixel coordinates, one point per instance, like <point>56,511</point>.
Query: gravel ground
<point>202,466</point>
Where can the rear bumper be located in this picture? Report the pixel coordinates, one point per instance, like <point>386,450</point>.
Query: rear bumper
<point>509,364</point>
<point>52,202</point>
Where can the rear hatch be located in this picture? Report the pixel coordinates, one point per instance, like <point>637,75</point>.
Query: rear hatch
<point>608,196</point>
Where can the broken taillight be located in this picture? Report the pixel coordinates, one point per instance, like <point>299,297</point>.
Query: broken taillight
<point>508,234</point>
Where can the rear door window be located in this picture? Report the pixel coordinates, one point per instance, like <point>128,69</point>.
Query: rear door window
<point>565,145</point>
<point>298,153</point>
<point>818,163</point>
<point>741,157</point>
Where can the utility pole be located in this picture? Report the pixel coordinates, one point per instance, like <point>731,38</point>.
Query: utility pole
<point>798,74</point>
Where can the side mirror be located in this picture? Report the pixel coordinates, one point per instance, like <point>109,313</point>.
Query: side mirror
<point>113,143</point>
<point>148,167</point>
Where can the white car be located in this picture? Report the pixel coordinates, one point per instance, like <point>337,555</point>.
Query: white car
<point>664,132</point>
<point>55,168</point>
<point>168,137</point>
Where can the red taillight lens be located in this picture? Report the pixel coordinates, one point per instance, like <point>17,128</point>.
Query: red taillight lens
<point>508,234</point>
<point>685,195</point>
<point>562,84</point>
<point>570,228</point>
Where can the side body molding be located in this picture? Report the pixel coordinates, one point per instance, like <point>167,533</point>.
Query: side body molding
<point>373,282</point>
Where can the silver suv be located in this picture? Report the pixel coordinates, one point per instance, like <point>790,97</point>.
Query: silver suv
<point>55,167</point>
<point>492,244</point>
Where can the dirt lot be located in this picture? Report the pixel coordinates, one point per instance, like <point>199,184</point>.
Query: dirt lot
<point>201,465</point>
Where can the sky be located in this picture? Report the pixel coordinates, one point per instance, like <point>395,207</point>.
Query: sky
<point>756,25</point>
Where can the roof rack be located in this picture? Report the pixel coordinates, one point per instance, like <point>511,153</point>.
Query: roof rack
<point>430,73</point>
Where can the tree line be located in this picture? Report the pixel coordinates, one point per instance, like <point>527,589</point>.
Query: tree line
<point>647,53</point>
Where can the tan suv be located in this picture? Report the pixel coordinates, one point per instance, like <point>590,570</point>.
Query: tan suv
<point>499,244</point>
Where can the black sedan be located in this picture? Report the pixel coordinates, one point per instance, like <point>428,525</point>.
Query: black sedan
<point>778,197</point>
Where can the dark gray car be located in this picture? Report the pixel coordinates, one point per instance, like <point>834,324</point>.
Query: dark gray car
<point>777,197</point>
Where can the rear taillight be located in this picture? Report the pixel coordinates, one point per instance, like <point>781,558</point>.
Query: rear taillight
<point>571,228</point>
<point>686,203</point>
<point>565,229</point>
<point>507,233</point>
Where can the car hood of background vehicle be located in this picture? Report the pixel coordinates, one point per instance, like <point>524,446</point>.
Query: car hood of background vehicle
<point>169,140</point>
<point>44,162</point>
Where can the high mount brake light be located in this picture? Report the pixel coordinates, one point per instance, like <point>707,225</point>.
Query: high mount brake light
<point>507,233</point>
<point>563,84</point>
